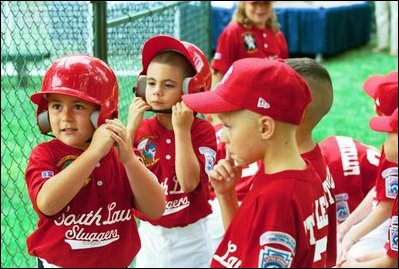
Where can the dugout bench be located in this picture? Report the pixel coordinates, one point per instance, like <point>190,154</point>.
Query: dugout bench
<point>20,59</point>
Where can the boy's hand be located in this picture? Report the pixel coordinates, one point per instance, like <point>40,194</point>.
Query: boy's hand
<point>136,114</point>
<point>102,141</point>
<point>182,117</point>
<point>224,176</point>
<point>122,139</point>
<point>344,247</point>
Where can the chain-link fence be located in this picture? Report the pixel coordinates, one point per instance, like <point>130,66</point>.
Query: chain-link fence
<point>33,34</point>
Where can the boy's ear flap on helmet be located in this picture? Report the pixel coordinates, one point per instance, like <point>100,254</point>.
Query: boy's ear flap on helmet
<point>139,90</point>
<point>43,122</point>
<point>94,118</point>
<point>186,85</point>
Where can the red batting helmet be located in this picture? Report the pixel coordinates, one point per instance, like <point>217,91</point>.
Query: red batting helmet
<point>200,82</point>
<point>81,76</point>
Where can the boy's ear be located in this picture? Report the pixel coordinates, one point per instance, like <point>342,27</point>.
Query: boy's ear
<point>266,126</point>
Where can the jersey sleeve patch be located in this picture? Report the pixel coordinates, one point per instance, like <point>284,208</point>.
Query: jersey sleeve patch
<point>391,182</point>
<point>393,234</point>
<point>279,238</point>
<point>210,157</point>
<point>274,258</point>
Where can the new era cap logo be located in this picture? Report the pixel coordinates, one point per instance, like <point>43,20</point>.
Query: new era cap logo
<point>262,103</point>
<point>377,102</point>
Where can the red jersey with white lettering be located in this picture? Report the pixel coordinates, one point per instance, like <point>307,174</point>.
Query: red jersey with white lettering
<point>157,147</point>
<point>386,184</point>
<point>279,224</point>
<point>316,159</point>
<point>97,227</point>
<point>245,182</point>
<point>353,166</point>
<point>392,244</point>
<point>236,42</point>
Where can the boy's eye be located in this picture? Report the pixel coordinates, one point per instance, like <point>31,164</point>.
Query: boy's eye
<point>55,106</point>
<point>79,107</point>
<point>169,85</point>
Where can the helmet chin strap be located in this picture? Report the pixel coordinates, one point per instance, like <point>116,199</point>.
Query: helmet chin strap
<point>165,111</point>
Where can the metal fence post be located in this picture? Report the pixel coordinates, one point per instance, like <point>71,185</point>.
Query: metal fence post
<point>100,29</point>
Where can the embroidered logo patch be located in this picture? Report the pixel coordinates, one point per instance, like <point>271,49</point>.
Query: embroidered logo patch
<point>210,157</point>
<point>274,258</point>
<point>249,42</point>
<point>342,207</point>
<point>393,234</point>
<point>391,182</point>
<point>148,151</point>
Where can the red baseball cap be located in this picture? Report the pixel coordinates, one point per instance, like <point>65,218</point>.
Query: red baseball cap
<point>384,90</point>
<point>267,87</point>
<point>387,124</point>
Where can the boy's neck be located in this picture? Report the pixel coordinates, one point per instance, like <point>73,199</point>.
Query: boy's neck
<point>305,143</point>
<point>282,154</point>
<point>165,120</point>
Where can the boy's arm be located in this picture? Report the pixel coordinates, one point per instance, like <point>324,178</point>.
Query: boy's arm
<point>149,197</point>
<point>360,212</point>
<point>377,216</point>
<point>381,262</point>
<point>186,162</point>
<point>60,189</point>
<point>223,178</point>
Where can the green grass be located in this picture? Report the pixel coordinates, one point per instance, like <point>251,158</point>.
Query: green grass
<point>352,107</point>
<point>349,116</point>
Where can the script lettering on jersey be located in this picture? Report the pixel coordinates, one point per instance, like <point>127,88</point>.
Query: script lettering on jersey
<point>79,238</point>
<point>227,260</point>
<point>174,204</point>
<point>176,186</point>
<point>318,220</point>
<point>349,156</point>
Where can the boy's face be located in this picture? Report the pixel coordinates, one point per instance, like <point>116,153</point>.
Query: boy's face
<point>70,119</point>
<point>240,133</point>
<point>391,147</point>
<point>164,85</point>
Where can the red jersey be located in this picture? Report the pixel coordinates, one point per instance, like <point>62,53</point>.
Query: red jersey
<point>279,224</point>
<point>386,184</point>
<point>236,42</point>
<point>353,166</point>
<point>392,244</point>
<point>315,157</point>
<point>157,147</point>
<point>97,227</point>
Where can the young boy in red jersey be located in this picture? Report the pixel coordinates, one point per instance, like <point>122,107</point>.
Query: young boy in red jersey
<point>179,148</point>
<point>280,222</point>
<point>84,183</point>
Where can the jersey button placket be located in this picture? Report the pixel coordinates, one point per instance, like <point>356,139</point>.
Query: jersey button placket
<point>168,141</point>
